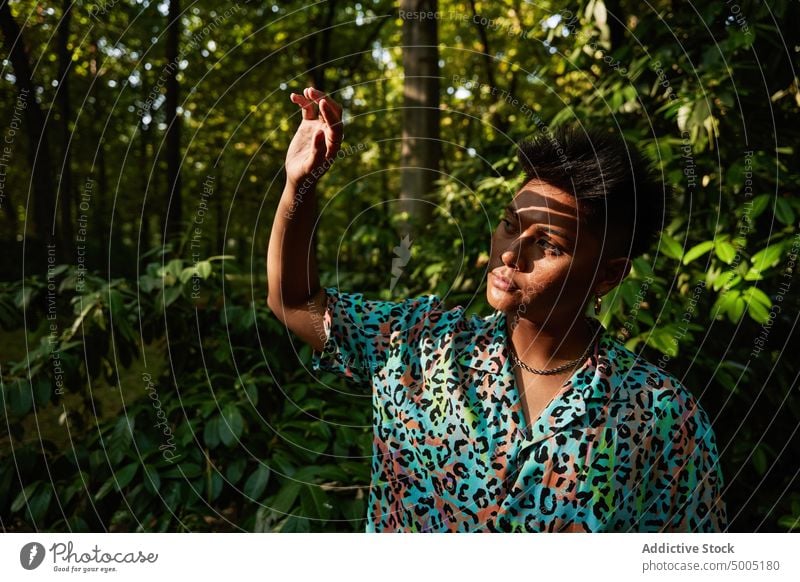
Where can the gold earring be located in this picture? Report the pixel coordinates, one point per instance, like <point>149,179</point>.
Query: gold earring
<point>598,303</point>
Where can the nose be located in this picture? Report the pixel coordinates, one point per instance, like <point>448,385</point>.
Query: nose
<point>511,257</point>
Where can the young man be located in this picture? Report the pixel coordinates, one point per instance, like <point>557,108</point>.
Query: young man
<point>532,418</point>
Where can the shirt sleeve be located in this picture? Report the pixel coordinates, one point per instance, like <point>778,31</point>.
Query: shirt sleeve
<point>359,332</point>
<point>688,478</point>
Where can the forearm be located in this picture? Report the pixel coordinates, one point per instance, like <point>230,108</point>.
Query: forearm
<point>292,275</point>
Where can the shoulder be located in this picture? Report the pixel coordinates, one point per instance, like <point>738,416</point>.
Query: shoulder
<point>413,318</point>
<point>658,395</point>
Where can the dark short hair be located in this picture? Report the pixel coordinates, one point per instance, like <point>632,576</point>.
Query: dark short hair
<point>616,187</point>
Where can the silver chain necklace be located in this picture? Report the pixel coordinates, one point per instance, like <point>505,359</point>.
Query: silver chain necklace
<point>561,368</point>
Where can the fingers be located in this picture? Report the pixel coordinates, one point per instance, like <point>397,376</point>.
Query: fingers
<point>334,132</point>
<point>317,95</point>
<point>307,106</point>
<point>331,113</point>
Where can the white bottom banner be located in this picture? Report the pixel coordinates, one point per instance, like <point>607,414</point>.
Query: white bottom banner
<point>400,557</point>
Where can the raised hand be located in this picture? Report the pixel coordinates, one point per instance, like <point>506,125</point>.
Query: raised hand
<point>317,140</point>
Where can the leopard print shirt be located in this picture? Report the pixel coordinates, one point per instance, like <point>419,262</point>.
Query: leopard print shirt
<point>622,447</point>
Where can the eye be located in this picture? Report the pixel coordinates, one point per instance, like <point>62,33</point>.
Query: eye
<point>549,247</point>
<point>508,225</point>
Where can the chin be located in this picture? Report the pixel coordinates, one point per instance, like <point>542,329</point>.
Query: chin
<point>498,300</point>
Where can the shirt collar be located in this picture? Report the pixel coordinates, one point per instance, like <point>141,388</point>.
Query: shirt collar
<point>487,352</point>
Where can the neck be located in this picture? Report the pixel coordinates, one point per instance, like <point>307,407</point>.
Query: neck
<point>547,346</point>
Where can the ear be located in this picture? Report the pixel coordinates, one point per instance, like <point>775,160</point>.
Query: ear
<point>611,274</point>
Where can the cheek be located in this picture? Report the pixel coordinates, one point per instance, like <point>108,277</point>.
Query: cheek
<point>550,276</point>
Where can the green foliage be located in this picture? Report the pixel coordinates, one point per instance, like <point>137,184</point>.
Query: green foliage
<point>137,443</point>
<point>257,445</point>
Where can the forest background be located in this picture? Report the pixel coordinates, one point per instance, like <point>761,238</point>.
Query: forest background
<point>145,384</point>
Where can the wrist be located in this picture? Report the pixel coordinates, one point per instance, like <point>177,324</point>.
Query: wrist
<point>303,184</point>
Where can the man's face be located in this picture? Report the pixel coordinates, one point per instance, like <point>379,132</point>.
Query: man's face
<point>543,261</point>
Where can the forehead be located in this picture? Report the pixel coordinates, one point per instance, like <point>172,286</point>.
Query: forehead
<point>543,203</point>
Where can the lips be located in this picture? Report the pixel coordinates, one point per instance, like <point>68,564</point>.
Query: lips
<point>503,283</point>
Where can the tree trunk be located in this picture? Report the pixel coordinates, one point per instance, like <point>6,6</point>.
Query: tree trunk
<point>421,152</point>
<point>144,174</point>
<point>39,145</point>
<point>66,197</point>
<point>318,46</point>
<point>173,138</point>
<point>101,214</point>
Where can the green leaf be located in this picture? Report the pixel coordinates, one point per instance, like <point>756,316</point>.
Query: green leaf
<point>23,298</point>
<point>148,283</point>
<point>354,510</point>
<point>152,481</point>
<point>125,475</point>
<point>730,303</point>
<point>753,275</point>
<point>314,502</point>
<point>257,482</point>
<point>754,294</point>
<point>183,471</point>
<point>697,251</point>
<point>19,397</point>
<point>235,470</point>
<point>211,432</point>
<point>105,488</point>
<point>642,267</point>
<point>758,304</point>
<point>251,390</point>
<point>24,496</point>
<point>174,268</point>
<point>671,247</point>
<point>203,269</point>
<point>121,438</point>
<point>39,503</point>
<point>725,251</point>
<point>186,274</point>
<point>645,318</point>
<point>629,290</point>
<point>760,204</point>
<point>214,485</point>
<point>115,304</point>
<point>286,497</point>
<point>758,312</point>
<point>783,211</point>
<point>171,294</point>
<point>120,479</point>
<point>727,280</point>
<point>230,425</point>
<point>767,257</point>
<point>664,339</point>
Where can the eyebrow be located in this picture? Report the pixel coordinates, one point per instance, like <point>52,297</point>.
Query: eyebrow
<point>513,211</point>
